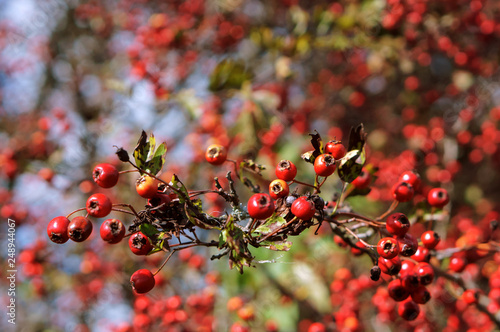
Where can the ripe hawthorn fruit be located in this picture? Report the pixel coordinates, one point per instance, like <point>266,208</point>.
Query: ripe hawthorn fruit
<point>303,208</point>
<point>142,281</point>
<point>105,175</point>
<point>260,206</point>
<point>57,229</point>
<point>112,231</point>
<point>286,170</point>
<point>216,154</point>
<point>98,205</point>
<point>79,229</point>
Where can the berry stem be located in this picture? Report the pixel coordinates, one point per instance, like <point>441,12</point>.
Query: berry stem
<point>77,210</point>
<point>130,207</point>
<point>128,171</point>
<point>302,183</point>
<point>393,206</point>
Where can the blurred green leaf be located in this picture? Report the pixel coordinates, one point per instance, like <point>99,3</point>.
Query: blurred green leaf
<point>229,74</point>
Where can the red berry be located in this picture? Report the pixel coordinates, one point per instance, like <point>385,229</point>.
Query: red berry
<point>390,266</point>
<point>324,165</point>
<point>422,255</point>
<point>388,247</point>
<point>420,295</point>
<point>403,192</point>
<point>357,251</point>
<point>286,170</point>
<point>316,327</point>
<point>397,291</point>
<point>147,186</point>
<point>79,229</point>
<point>105,175</point>
<point>438,197</point>
<point>425,273</point>
<point>363,180</point>
<point>336,149</point>
<point>470,296</point>
<point>98,205</point>
<point>216,154</point>
<point>278,189</point>
<point>397,224</point>
<point>260,206</point>
<point>458,262</point>
<point>303,208</point>
<point>408,245</point>
<point>410,280</point>
<point>407,267</point>
<point>140,244</point>
<point>161,199</point>
<point>142,281</point>
<point>112,231</point>
<point>408,310</point>
<point>430,239</point>
<point>411,178</point>
<point>57,229</point>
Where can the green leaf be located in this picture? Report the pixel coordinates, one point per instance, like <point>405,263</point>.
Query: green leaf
<point>141,151</point>
<point>148,230</point>
<point>317,144</point>
<point>176,183</point>
<point>270,225</point>
<point>152,145</point>
<point>278,245</point>
<point>229,74</point>
<point>156,163</point>
<point>352,163</point>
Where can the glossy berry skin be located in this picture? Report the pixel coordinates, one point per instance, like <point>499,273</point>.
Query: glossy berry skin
<point>336,149</point>
<point>430,239</point>
<point>286,170</point>
<point>147,186</point>
<point>408,310</point>
<point>388,247</point>
<point>324,165</point>
<point>363,180</point>
<point>98,205</point>
<point>316,327</point>
<point>112,231</point>
<point>105,175</point>
<point>458,262</point>
<point>79,229</point>
<point>407,267</point>
<point>410,281</point>
<point>390,266</point>
<point>397,291</point>
<point>57,229</point>
<point>216,154</point>
<point>438,197</point>
<point>303,208</point>
<point>408,245</point>
<point>140,244</point>
<point>142,281</point>
<point>425,273</point>
<point>402,192</point>
<point>422,255</point>
<point>278,189</point>
<point>260,206</point>
<point>412,178</point>
<point>420,295</point>
<point>470,296</point>
<point>397,224</point>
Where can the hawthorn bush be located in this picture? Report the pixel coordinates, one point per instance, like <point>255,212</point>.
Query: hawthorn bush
<point>251,165</point>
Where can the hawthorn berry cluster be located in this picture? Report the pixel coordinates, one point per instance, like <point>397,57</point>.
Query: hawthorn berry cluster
<point>269,218</point>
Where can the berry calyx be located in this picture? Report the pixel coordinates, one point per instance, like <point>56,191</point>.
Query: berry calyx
<point>112,231</point>
<point>397,291</point>
<point>79,229</point>
<point>260,206</point>
<point>303,208</point>
<point>388,247</point>
<point>147,186</point>
<point>142,281</point>
<point>98,205</point>
<point>57,229</point>
<point>363,180</point>
<point>430,239</point>
<point>286,170</point>
<point>336,149</point>
<point>216,154</point>
<point>397,224</point>
<point>324,165</point>
<point>408,310</point>
<point>402,192</point>
<point>438,197</point>
<point>411,178</point>
<point>408,245</point>
<point>140,244</point>
<point>278,189</point>
<point>105,175</point>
